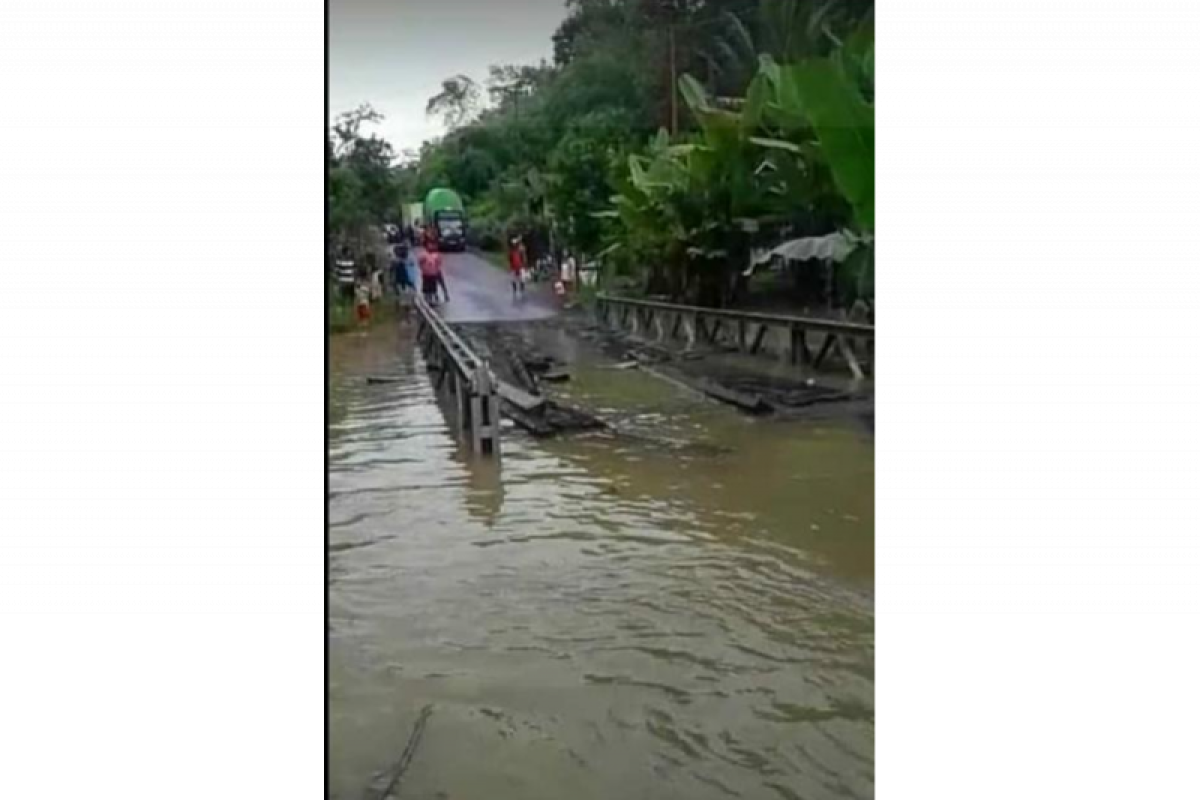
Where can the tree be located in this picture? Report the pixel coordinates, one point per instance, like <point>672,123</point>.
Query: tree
<point>580,186</point>
<point>508,85</point>
<point>774,137</point>
<point>456,103</point>
<point>347,127</point>
<point>361,185</point>
<point>588,21</point>
<point>787,31</point>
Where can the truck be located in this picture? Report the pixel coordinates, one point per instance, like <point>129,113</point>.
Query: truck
<point>412,214</point>
<point>446,218</point>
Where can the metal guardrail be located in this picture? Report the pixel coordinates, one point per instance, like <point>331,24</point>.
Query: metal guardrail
<point>748,331</point>
<point>810,323</point>
<point>465,376</point>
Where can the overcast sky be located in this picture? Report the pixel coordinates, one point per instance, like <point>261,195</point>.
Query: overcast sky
<point>394,54</point>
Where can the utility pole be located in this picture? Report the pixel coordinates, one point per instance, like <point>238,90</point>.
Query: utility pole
<point>674,83</point>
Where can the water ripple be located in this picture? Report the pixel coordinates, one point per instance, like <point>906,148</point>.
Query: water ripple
<point>600,619</point>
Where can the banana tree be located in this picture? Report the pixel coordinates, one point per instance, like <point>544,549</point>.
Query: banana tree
<point>737,188</point>
<point>651,191</point>
<point>797,155</point>
<point>824,109</point>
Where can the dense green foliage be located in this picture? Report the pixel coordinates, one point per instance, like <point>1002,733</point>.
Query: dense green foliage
<point>676,137</point>
<point>361,186</point>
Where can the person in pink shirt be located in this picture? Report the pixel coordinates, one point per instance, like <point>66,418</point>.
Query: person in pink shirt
<point>431,274</point>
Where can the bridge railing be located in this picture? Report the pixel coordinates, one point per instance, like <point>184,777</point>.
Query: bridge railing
<point>464,376</point>
<point>748,331</point>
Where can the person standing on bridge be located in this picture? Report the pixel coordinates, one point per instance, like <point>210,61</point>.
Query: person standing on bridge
<point>431,274</point>
<point>516,266</point>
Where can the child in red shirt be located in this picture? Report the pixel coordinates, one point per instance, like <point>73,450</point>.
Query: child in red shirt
<point>362,297</point>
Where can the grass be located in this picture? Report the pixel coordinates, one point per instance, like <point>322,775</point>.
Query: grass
<point>343,318</point>
<point>494,257</point>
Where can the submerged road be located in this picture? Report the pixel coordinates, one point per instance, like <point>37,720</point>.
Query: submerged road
<point>481,292</point>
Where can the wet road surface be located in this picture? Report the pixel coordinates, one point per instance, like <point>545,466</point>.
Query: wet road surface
<point>481,292</point>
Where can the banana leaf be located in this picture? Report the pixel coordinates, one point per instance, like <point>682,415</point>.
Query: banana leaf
<point>757,96</point>
<point>845,126</point>
<point>694,94</point>
<point>769,67</point>
<point>777,144</point>
<point>637,174</point>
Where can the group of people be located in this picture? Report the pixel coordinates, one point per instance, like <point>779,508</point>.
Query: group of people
<point>427,268</point>
<point>362,282</point>
<point>518,266</point>
<point>406,234</point>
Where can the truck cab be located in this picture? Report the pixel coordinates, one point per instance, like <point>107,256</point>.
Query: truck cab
<point>450,227</point>
<point>447,218</point>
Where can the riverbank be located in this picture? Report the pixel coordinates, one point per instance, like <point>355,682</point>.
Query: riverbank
<point>342,318</point>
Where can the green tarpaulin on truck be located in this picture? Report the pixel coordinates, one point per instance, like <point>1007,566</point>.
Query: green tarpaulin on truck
<point>441,200</point>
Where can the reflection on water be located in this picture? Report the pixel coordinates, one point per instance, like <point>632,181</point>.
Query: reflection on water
<point>681,609</point>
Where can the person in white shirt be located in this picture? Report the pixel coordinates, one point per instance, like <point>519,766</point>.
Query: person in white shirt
<point>376,284</point>
<point>567,271</point>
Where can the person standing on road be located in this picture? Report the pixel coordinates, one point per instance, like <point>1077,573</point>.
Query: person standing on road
<point>569,270</point>
<point>400,278</point>
<point>516,266</point>
<point>431,274</point>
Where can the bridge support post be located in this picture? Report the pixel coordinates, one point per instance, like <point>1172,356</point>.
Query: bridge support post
<point>465,379</point>
<point>485,413</point>
<point>798,349</point>
<point>847,352</point>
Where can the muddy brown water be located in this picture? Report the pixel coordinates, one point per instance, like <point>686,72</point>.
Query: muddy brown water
<point>683,609</point>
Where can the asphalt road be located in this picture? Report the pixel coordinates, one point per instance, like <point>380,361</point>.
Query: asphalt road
<point>481,292</point>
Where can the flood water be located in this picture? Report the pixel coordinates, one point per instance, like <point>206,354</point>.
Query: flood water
<point>681,610</point>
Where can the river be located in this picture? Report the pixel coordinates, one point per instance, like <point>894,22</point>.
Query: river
<point>685,610</point>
